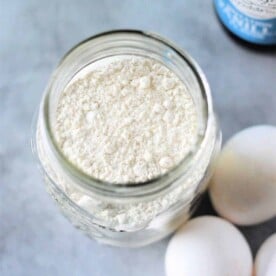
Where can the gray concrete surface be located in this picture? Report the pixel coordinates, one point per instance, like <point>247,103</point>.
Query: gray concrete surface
<point>35,239</point>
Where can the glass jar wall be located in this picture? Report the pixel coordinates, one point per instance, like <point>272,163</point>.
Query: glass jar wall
<point>132,214</point>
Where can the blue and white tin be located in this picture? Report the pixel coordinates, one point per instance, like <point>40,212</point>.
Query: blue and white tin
<point>251,20</point>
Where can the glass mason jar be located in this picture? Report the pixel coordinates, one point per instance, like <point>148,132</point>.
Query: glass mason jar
<point>132,214</point>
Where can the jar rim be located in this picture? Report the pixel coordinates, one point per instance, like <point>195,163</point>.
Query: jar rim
<point>150,186</point>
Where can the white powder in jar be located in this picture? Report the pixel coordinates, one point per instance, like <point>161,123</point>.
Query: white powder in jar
<point>127,119</point>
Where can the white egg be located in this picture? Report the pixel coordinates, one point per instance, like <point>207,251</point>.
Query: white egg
<point>271,271</point>
<point>208,246</point>
<point>243,187</point>
<point>265,263</point>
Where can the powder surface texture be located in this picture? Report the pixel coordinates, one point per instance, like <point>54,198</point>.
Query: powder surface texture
<point>128,119</point>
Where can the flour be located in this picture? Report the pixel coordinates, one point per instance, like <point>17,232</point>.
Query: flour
<point>127,119</point>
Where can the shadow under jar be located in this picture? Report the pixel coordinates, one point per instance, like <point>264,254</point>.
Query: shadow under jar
<point>106,211</point>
